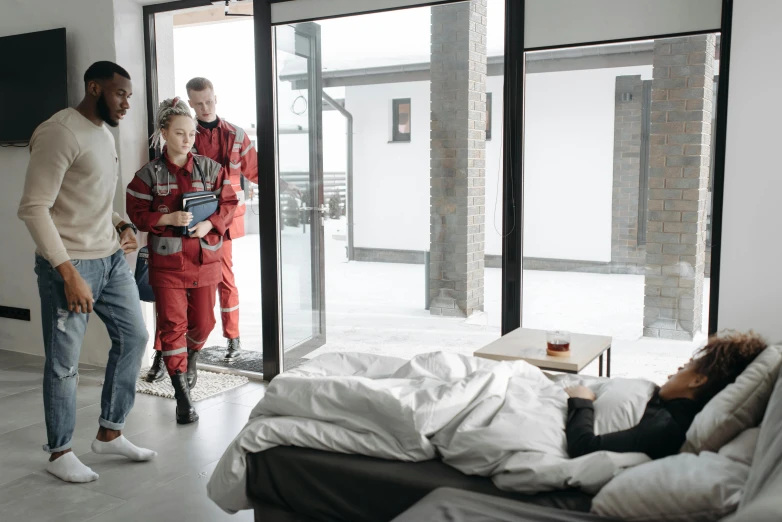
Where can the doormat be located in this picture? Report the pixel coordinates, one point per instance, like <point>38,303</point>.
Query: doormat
<point>208,385</point>
<point>250,361</point>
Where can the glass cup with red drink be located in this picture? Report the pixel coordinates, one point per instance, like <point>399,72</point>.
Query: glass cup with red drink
<point>558,343</point>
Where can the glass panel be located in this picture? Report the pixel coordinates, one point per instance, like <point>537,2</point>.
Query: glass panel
<point>402,120</point>
<point>301,195</point>
<point>412,199</point>
<point>488,115</point>
<point>616,196</point>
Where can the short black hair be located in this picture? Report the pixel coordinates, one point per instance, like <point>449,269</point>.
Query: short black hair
<point>104,71</point>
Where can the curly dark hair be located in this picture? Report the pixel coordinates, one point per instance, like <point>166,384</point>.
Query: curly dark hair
<point>723,359</point>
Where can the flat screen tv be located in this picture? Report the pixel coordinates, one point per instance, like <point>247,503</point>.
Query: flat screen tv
<point>33,82</point>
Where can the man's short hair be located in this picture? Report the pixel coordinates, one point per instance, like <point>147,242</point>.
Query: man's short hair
<point>199,84</point>
<point>104,71</point>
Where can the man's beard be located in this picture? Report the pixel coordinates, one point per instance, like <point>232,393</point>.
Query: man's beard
<point>104,112</point>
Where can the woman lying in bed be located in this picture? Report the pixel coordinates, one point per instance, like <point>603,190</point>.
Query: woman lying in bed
<point>663,427</point>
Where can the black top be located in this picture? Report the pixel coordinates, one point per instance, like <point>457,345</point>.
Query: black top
<point>660,433</point>
<point>210,125</point>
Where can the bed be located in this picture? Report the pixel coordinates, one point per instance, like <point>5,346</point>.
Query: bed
<point>297,484</point>
<point>380,433</point>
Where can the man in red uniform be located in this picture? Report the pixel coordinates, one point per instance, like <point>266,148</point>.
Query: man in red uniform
<point>228,145</point>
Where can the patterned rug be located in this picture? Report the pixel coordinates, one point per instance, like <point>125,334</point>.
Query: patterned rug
<point>209,384</point>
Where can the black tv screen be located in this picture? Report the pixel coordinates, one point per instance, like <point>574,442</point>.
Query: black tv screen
<point>33,82</point>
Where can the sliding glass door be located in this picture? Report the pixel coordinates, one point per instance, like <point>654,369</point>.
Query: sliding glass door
<point>300,167</point>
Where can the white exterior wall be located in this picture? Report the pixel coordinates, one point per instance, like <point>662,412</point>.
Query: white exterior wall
<point>568,166</point>
<point>391,180</point>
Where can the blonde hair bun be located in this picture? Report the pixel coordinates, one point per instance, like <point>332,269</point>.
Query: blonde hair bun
<point>165,112</point>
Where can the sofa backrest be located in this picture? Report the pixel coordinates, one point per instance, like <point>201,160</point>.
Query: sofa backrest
<point>762,499</point>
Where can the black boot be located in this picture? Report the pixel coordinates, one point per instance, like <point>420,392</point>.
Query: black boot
<point>157,372</point>
<point>192,371</point>
<point>234,350</point>
<point>185,412</point>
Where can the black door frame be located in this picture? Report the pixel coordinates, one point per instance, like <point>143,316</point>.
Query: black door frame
<point>513,164</point>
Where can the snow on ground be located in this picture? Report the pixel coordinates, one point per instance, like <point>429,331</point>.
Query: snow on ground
<point>379,308</point>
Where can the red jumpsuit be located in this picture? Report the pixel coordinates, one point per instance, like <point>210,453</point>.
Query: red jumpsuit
<point>183,271</point>
<point>229,146</point>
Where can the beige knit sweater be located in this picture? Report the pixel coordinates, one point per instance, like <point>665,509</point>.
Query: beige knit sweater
<point>68,196</point>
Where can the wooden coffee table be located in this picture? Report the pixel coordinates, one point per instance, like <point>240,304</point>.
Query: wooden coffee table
<point>530,345</point>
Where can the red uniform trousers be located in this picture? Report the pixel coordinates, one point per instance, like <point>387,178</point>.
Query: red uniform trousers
<point>231,147</point>
<point>178,327</point>
<point>229,299</point>
<point>229,294</point>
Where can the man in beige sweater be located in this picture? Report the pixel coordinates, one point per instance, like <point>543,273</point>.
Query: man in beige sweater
<point>80,262</point>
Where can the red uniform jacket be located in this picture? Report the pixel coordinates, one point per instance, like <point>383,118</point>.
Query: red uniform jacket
<point>177,261</point>
<point>230,146</point>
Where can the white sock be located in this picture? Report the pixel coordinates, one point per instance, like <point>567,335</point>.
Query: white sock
<point>70,469</point>
<point>122,446</point>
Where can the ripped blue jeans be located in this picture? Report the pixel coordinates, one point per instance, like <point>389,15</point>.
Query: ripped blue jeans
<point>117,304</point>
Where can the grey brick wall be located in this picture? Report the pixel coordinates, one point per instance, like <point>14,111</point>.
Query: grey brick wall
<point>679,175</point>
<point>416,257</point>
<point>387,255</point>
<point>627,173</point>
<point>458,157</point>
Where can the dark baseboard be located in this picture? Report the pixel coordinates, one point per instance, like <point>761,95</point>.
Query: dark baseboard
<point>416,257</point>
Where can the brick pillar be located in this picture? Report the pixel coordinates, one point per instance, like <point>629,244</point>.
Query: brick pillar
<point>682,93</point>
<point>458,148</point>
<point>628,106</point>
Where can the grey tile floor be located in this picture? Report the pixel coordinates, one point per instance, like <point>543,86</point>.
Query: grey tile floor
<point>171,487</point>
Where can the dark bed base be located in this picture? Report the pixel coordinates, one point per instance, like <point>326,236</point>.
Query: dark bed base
<point>288,484</point>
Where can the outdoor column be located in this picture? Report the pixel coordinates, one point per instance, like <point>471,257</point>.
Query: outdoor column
<point>457,154</point>
<point>628,107</point>
<point>680,155</point>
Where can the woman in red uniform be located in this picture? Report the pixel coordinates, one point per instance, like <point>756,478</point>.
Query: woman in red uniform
<point>184,269</point>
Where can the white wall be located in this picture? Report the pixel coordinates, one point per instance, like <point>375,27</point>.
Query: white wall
<point>132,142</point>
<point>166,65</point>
<point>568,165</point>
<point>90,37</point>
<point>132,138</point>
<point>568,162</point>
<point>750,276</point>
<point>391,180</point>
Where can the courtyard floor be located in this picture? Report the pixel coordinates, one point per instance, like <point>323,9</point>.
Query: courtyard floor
<point>379,308</point>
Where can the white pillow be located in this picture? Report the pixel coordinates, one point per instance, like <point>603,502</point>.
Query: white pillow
<point>742,448</point>
<point>620,403</point>
<point>681,488</point>
<point>738,407</point>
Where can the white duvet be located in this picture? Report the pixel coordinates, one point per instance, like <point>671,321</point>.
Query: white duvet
<point>503,420</point>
